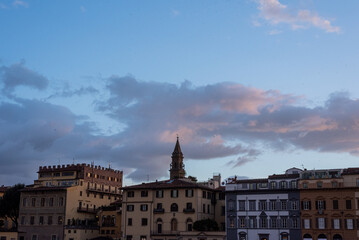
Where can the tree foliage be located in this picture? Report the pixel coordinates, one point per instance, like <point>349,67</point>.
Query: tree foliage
<point>205,225</point>
<point>9,204</point>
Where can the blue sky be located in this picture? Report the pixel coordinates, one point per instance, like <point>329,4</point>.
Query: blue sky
<point>250,83</point>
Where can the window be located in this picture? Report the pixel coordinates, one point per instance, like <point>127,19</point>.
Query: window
<point>305,185</point>
<point>130,208</point>
<point>189,205</point>
<point>295,223</point>
<point>283,204</point>
<point>144,207</point>
<point>32,220</point>
<point>262,205</point>
<point>294,205</point>
<point>349,223</point>
<point>242,236</point>
<point>321,223</point>
<point>159,194</point>
<point>273,222</point>
<point>334,184</point>
<point>144,193</point>
<point>204,208</point>
<point>41,220</point>
<point>319,184</point>
<point>34,237</point>
<point>189,192</point>
<point>33,202</point>
<point>24,202</point>
<point>59,220</point>
<point>335,204</point>
<point>22,220</point>
<point>173,225</point>
<point>284,222</point>
<point>283,184</point>
<point>174,193</point>
<point>174,207</point>
<point>231,222</point>
<point>223,210</point>
<point>348,204</point>
<point>61,201</point>
<point>293,184</point>
<point>252,205</point>
<point>272,204</point>
<point>273,185</point>
<point>143,238</point>
<point>320,204</point>
<point>242,222</point>
<point>144,222</point>
<point>189,225</point>
<point>129,221</point>
<point>208,209</point>
<point>306,205</point>
<point>130,194</point>
<point>129,237</point>
<point>51,202</point>
<point>42,202</point>
<point>252,222</point>
<point>159,206</point>
<point>336,223</point>
<point>263,222</point>
<point>53,237</point>
<point>357,182</point>
<point>49,220</point>
<point>231,206</point>
<point>204,194</point>
<point>306,223</point>
<point>241,205</point>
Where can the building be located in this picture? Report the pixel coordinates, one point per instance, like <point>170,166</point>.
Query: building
<point>168,209</point>
<point>265,208</point>
<point>329,204</point>
<point>110,220</point>
<point>64,200</point>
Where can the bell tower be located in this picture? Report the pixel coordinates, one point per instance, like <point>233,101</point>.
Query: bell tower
<point>177,166</point>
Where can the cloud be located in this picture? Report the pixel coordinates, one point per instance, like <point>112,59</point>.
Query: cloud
<point>83,9</point>
<point>275,12</point>
<point>216,121</point>
<point>19,3</point>
<point>67,92</point>
<point>18,75</point>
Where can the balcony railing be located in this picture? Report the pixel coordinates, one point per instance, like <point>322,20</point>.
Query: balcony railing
<point>87,210</point>
<point>188,210</point>
<point>158,210</point>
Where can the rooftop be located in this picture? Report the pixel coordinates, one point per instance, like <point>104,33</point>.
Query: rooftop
<point>168,184</point>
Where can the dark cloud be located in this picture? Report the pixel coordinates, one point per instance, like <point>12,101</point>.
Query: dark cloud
<point>67,92</point>
<point>18,75</point>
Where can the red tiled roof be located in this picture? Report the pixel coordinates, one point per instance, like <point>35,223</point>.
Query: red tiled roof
<point>171,183</point>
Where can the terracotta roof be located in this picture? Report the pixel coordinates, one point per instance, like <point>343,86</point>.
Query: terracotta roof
<point>350,171</point>
<point>35,189</point>
<point>284,176</point>
<point>171,183</point>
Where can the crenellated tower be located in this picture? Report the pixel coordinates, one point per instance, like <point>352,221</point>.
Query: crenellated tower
<point>177,166</point>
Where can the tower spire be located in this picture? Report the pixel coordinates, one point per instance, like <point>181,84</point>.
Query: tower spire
<point>177,166</point>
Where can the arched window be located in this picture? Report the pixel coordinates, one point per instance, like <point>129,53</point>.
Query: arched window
<point>337,237</point>
<point>322,237</point>
<point>242,236</point>
<point>159,225</point>
<point>174,225</point>
<point>174,207</point>
<point>189,224</point>
<point>307,237</point>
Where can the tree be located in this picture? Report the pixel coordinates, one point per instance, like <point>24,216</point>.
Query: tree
<point>205,225</point>
<point>9,204</point>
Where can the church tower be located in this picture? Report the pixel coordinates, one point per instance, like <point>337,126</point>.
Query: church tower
<point>177,166</point>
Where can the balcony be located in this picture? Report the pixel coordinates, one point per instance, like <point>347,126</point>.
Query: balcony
<point>86,210</point>
<point>188,210</point>
<point>158,210</point>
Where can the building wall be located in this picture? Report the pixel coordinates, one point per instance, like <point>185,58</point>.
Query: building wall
<point>45,230</point>
<point>8,235</point>
<point>153,217</point>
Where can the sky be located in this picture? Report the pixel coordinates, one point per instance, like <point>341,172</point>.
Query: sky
<point>251,87</point>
